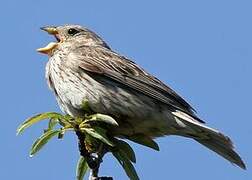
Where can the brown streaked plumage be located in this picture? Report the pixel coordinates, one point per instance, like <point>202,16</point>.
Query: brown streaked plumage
<point>82,67</point>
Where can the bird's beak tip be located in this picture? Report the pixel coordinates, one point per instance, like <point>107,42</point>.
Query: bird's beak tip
<point>50,29</point>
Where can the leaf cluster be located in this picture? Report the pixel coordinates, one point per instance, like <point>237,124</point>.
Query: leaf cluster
<point>96,130</point>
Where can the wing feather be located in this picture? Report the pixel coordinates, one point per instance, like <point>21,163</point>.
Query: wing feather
<point>111,65</point>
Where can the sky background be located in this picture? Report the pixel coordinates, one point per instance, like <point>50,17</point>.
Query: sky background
<point>202,49</point>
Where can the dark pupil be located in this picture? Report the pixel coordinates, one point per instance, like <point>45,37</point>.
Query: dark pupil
<point>72,31</point>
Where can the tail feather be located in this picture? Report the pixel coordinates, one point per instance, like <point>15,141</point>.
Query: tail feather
<point>210,138</point>
<point>223,150</point>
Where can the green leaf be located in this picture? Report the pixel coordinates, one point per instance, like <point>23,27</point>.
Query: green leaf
<point>101,118</point>
<point>82,168</point>
<point>67,121</point>
<point>52,123</point>
<point>144,140</point>
<point>41,141</point>
<point>125,148</point>
<point>126,164</point>
<point>85,106</point>
<point>36,119</point>
<point>98,133</point>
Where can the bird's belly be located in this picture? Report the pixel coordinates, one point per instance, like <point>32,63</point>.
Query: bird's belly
<point>135,112</point>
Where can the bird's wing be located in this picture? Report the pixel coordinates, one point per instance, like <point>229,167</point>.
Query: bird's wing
<point>111,65</point>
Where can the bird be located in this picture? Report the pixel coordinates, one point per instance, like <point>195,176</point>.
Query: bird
<point>83,67</point>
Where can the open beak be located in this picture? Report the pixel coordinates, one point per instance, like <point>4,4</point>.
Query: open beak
<point>53,31</point>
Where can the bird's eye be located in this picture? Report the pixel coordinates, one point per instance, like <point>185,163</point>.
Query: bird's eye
<point>72,31</point>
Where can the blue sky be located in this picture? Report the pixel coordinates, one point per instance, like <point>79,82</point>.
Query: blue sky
<point>202,49</point>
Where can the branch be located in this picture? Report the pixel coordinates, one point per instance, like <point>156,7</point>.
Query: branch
<point>92,161</point>
<point>94,141</point>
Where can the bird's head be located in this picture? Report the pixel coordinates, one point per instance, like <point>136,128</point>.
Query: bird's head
<point>70,34</point>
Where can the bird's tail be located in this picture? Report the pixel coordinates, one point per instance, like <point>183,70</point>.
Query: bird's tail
<point>209,137</point>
